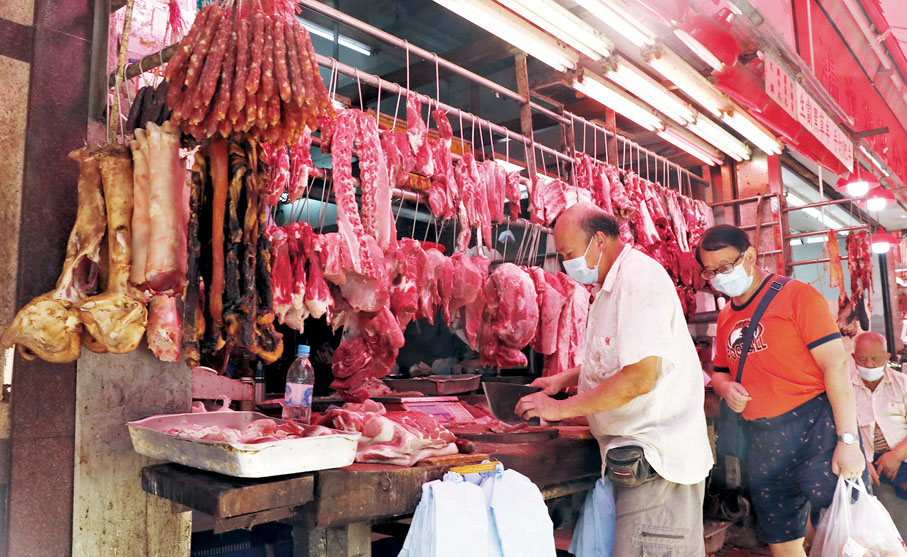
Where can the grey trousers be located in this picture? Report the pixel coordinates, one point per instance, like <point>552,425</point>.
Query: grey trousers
<point>659,519</point>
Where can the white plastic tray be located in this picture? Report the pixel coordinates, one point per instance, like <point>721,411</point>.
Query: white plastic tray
<point>261,460</point>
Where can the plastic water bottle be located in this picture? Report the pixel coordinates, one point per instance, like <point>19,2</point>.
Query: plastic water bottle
<point>297,402</point>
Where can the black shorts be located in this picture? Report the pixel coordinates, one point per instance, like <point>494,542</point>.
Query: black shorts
<point>790,469</point>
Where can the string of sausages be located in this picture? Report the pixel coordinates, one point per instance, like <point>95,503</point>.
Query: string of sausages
<point>247,72</point>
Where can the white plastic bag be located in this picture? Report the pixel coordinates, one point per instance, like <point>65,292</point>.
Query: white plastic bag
<point>858,527</point>
<point>593,535</point>
<point>519,516</point>
<point>450,521</point>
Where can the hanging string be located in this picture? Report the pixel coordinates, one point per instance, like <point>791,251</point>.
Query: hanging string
<point>585,123</point>
<point>378,106</point>
<point>359,85</point>
<point>397,108</point>
<point>437,80</point>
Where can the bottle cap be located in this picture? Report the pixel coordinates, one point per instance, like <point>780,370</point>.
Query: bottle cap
<point>302,350</point>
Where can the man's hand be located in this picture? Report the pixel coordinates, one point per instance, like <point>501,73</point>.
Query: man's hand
<point>873,475</point>
<point>550,385</point>
<point>848,461</point>
<point>734,394</point>
<point>540,405</point>
<point>887,465</point>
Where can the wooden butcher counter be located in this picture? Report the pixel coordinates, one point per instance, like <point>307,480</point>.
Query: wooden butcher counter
<point>332,511</point>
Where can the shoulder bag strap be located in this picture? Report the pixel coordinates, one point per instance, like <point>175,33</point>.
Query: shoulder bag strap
<point>750,331</point>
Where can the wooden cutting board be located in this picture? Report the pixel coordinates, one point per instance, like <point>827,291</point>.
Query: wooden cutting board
<point>532,434</point>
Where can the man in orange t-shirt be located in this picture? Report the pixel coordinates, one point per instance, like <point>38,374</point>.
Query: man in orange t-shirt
<point>794,394</point>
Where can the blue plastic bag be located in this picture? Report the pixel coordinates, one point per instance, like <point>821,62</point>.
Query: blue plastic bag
<point>593,535</point>
<point>518,516</point>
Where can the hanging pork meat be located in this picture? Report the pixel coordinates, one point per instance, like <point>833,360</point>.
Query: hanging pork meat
<point>48,326</point>
<point>116,318</point>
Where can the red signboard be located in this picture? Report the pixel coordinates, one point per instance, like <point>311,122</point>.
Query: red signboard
<point>841,74</point>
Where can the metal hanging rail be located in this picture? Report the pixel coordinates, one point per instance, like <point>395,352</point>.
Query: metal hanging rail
<point>567,118</point>
<point>161,57</point>
<point>742,200</point>
<point>820,232</point>
<point>817,204</point>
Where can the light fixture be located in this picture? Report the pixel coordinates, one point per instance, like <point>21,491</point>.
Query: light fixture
<point>878,198</point>
<point>687,79</point>
<point>858,183</point>
<point>499,21</point>
<point>595,87</point>
<point>816,239</point>
<point>710,41</point>
<point>637,82</point>
<point>342,40</point>
<point>714,134</point>
<point>746,126</point>
<point>882,241</point>
<point>562,24</point>
<point>874,161</point>
<point>615,16</point>
<point>688,144</point>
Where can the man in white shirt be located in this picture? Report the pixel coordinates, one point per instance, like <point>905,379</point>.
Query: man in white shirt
<point>881,394</point>
<point>640,385</point>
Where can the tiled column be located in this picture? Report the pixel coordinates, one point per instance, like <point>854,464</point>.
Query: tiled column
<point>44,63</point>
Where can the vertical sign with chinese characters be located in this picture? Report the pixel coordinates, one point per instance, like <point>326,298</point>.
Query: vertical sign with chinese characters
<point>790,95</point>
<point>780,86</point>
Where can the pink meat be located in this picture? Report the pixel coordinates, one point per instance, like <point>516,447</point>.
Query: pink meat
<point>317,294</point>
<point>399,163</point>
<point>512,189</point>
<point>511,316</point>
<point>436,285</point>
<point>571,328</point>
<point>301,168</point>
<point>646,233</point>
<point>495,181</point>
<point>299,236</point>
<point>405,290</point>
<point>349,222</point>
<point>601,188</point>
<point>366,293</point>
<point>369,348</point>
<point>400,438</point>
<point>281,272</point>
<point>584,171</point>
<point>551,299</point>
<point>164,328</point>
<point>377,218</point>
<point>620,201</point>
<point>416,130</point>
<point>468,279</point>
<point>278,161</point>
<point>557,196</point>
<point>168,210</point>
<point>473,311</point>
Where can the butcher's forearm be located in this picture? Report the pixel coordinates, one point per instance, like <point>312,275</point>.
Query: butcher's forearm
<point>900,450</point>
<point>570,378</point>
<point>619,389</point>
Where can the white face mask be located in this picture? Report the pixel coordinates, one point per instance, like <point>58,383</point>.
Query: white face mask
<point>871,373</point>
<point>734,283</point>
<point>578,270</point>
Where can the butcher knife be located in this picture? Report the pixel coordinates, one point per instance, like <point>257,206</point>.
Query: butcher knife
<point>502,399</point>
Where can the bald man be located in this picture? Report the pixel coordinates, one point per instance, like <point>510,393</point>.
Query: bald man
<point>881,394</point>
<point>640,384</point>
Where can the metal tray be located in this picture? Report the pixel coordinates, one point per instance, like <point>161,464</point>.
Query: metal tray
<point>260,460</point>
<point>436,384</point>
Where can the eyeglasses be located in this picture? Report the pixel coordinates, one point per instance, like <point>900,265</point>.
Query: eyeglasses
<point>709,274</point>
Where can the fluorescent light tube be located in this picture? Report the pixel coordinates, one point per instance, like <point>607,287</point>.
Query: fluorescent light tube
<point>562,24</point>
<point>343,40</point>
<point>714,134</point>
<point>681,142</point>
<point>615,16</point>
<point>751,130</point>
<point>499,21</point>
<point>595,87</point>
<point>688,80</point>
<point>874,161</point>
<point>816,239</point>
<point>637,82</point>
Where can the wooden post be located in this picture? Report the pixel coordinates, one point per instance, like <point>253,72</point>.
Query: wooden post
<point>611,125</point>
<point>522,83</point>
<point>351,540</point>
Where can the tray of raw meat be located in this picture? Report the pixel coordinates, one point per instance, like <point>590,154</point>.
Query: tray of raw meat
<point>242,444</point>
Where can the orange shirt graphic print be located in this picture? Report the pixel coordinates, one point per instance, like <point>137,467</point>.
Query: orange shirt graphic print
<point>735,340</point>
